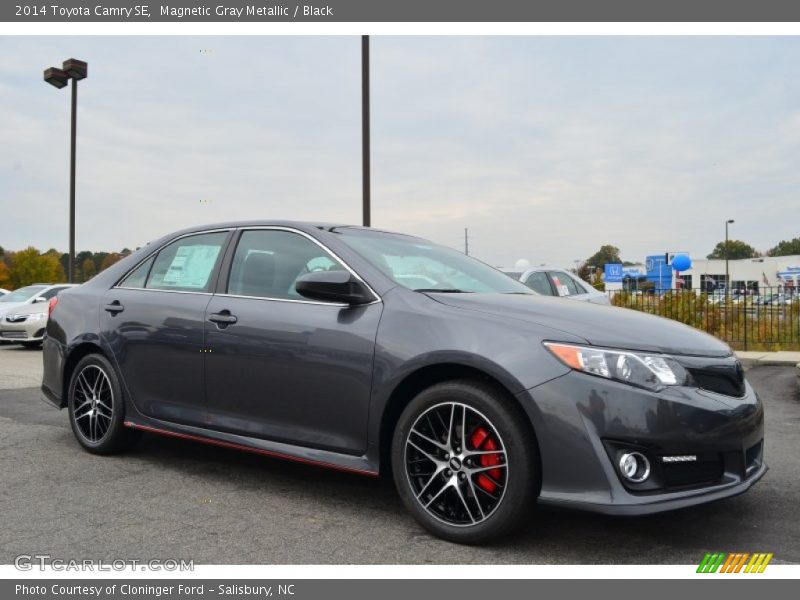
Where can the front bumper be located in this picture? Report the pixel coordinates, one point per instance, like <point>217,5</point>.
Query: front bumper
<point>583,423</point>
<point>26,331</point>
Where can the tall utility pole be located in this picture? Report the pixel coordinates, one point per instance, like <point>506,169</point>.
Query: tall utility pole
<point>72,70</point>
<point>466,241</point>
<point>365,168</point>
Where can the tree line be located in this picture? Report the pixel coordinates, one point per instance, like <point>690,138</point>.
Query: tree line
<point>25,267</point>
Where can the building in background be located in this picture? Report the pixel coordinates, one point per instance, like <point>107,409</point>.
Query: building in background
<point>747,273</point>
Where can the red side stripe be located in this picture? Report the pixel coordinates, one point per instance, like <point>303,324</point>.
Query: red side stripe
<point>270,453</point>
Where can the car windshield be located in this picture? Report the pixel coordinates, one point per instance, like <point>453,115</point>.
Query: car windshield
<point>23,294</point>
<point>427,267</point>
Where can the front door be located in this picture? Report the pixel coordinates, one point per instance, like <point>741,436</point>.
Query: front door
<point>281,367</point>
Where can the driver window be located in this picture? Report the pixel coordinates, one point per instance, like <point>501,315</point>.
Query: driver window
<point>268,262</point>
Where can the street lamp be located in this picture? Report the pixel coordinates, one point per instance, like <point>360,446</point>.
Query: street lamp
<point>365,151</point>
<point>727,252</point>
<point>75,70</point>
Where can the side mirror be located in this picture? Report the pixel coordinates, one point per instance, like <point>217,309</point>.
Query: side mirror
<point>333,286</point>
<point>39,300</point>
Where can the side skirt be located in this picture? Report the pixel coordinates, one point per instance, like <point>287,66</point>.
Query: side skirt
<point>321,458</point>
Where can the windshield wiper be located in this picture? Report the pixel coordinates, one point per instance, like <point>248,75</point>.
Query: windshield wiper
<point>442,290</point>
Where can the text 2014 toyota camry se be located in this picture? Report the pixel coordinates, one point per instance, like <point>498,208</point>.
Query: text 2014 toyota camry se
<point>369,351</point>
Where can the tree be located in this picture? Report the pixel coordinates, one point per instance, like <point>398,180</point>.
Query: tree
<point>597,261</point>
<point>88,269</point>
<point>786,248</point>
<point>736,249</point>
<point>5,276</point>
<point>109,260</point>
<point>29,266</point>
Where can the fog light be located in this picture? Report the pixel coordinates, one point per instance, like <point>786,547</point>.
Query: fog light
<point>634,466</point>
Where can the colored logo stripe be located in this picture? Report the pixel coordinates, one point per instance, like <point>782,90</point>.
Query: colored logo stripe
<point>735,562</point>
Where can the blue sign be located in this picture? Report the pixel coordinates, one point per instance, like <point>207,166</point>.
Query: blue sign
<point>659,272</point>
<point>613,273</point>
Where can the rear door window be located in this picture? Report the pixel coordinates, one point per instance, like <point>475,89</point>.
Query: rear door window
<point>187,263</point>
<point>564,284</point>
<point>539,282</point>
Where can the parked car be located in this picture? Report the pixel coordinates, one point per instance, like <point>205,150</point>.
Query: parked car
<point>558,282</point>
<point>31,294</point>
<point>26,323</point>
<point>310,343</point>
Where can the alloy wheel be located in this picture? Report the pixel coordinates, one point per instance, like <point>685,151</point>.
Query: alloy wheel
<point>93,402</point>
<point>456,464</point>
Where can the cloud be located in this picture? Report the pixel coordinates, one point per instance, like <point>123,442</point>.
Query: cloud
<point>545,148</point>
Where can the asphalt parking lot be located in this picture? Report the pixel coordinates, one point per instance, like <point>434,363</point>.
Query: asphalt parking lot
<point>175,499</point>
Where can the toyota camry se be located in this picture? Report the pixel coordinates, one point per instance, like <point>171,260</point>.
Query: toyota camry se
<point>375,352</point>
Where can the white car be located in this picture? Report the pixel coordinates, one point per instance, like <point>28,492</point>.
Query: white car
<point>558,282</point>
<point>39,293</point>
<point>24,313</point>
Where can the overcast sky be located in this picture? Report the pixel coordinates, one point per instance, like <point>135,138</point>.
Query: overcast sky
<point>545,148</point>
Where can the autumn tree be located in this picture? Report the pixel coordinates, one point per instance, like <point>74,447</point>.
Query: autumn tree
<point>30,266</point>
<point>88,270</point>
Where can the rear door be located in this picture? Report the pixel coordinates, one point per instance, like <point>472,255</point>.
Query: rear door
<point>282,367</point>
<point>153,321</point>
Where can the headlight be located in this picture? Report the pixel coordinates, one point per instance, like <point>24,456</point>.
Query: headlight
<point>651,371</point>
<point>36,317</point>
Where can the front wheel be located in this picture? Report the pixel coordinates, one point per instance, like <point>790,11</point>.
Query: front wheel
<point>96,409</point>
<point>464,462</point>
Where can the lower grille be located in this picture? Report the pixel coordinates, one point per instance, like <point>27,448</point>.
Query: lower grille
<point>753,457</point>
<point>692,473</point>
<point>13,335</point>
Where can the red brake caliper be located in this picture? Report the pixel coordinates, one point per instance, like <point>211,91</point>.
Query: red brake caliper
<point>481,440</point>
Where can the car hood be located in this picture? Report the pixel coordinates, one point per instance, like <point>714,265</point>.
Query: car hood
<point>10,307</point>
<point>26,308</point>
<point>599,325</point>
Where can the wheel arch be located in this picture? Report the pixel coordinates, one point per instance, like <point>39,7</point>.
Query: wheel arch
<point>71,360</point>
<point>424,377</point>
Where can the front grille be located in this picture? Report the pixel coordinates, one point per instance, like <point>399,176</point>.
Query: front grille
<point>704,470</point>
<point>16,318</point>
<point>720,375</point>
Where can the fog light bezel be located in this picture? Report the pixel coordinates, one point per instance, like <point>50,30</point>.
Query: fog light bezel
<point>643,466</point>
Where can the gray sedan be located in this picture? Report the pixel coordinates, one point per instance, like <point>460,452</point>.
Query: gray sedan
<point>372,352</point>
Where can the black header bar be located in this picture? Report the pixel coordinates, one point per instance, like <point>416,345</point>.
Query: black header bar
<point>402,11</point>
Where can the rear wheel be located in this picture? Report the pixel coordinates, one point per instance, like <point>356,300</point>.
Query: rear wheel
<point>96,409</point>
<point>464,462</point>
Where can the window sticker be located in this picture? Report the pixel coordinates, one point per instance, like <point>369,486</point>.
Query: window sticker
<point>191,266</point>
<point>562,289</point>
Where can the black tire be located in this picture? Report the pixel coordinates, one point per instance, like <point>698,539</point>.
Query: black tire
<point>521,471</point>
<point>109,434</point>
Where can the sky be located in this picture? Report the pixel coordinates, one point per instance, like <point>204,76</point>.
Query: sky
<point>544,147</point>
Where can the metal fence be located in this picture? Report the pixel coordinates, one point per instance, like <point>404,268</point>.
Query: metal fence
<point>763,319</point>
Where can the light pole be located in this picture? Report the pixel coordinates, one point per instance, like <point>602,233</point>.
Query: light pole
<point>365,168</point>
<point>727,253</point>
<point>75,70</point>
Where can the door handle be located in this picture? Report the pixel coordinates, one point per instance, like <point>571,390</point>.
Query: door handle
<point>114,307</point>
<point>222,318</point>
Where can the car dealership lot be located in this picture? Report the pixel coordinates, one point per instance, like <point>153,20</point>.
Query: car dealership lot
<point>175,499</point>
